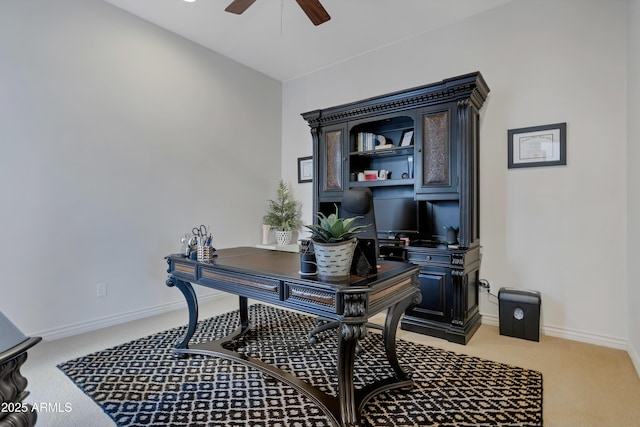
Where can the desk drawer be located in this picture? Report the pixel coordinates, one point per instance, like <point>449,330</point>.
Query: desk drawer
<point>188,269</point>
<point>250,283</point>
<point>307,296</point>
<point>419,258</point>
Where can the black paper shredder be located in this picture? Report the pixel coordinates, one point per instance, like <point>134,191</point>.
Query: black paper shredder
<point>519,313</point>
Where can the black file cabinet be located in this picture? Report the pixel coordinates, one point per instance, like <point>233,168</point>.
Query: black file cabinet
<point>448,281</point>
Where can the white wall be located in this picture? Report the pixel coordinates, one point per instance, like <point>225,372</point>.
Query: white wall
<point>116,138</point>
<point>633,160</point>
<point>559,230</point>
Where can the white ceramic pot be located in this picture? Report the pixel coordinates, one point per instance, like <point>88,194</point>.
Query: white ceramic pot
<point>334,259</point>
<point>283,237</point>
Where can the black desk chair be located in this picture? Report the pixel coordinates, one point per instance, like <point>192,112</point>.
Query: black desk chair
<point>358,202</point>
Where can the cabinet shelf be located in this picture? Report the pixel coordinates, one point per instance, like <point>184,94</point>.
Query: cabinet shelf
<point>395,151</point>
<point>382,183</point>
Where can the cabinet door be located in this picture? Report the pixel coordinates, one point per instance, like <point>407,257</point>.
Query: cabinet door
<point>332,161</point>
<point>436,165</point>
<point>435,286</point>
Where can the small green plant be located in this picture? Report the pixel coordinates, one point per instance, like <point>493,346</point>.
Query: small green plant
<point>334,229</point>
<point>284,212</point>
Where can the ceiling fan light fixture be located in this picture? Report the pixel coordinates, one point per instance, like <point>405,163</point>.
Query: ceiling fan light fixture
<point>239,6</point>
<point>312,8</point>
<point>314,11</point>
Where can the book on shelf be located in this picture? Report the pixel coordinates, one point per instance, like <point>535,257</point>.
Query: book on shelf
<point>367,141</point>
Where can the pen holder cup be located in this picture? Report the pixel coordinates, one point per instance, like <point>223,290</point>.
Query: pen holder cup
<point>204,253</point>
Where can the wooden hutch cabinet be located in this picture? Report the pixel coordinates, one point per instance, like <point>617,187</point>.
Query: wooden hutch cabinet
<point>418,151</point>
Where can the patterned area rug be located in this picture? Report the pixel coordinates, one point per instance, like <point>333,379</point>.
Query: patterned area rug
<point>141,383</point>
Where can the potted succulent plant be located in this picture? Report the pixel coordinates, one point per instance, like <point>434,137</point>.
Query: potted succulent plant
<point>334,243</point>
<point>284,214</point>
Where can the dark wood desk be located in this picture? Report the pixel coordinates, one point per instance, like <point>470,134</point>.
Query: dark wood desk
<point>273,277</point>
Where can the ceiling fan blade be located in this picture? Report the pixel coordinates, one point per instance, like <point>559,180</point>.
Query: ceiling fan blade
<point>239,6</point>
<point>314,11</point>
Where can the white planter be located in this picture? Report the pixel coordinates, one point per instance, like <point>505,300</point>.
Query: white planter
<point>334,259</point>
<point>283,237</point>
<point>266,229</point>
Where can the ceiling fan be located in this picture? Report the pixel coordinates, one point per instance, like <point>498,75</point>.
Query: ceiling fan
<point>314,10</point>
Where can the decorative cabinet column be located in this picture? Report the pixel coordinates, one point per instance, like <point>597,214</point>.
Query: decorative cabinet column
<point>469,142</point>
<point>420,150</point>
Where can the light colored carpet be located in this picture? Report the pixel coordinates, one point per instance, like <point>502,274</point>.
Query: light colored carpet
<point>584,385</point>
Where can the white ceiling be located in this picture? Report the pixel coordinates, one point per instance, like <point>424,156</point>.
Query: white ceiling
<point>276,38</point>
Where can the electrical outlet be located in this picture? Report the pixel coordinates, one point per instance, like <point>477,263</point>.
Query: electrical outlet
<point>101,289</point>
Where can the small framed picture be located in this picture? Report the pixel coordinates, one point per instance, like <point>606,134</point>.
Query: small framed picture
<point>407,138</point>
<point>537,146</point>
<point>305,169</point>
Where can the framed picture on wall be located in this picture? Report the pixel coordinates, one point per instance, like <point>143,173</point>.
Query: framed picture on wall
<point>537,146</point>
<point>305,169</point>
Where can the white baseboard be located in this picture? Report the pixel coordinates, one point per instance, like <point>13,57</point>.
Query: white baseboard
<point>570,334</point>
<point>586,337</point>
<point>635,358</point>
<point>116,319</point>
<point>490,319</point>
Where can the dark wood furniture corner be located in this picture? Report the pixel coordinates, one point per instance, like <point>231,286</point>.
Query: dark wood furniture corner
<point>426,139</point>
<point>273,277</point>
<point>14,412</point>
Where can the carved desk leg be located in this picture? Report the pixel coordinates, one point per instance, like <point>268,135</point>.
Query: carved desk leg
<point>352,329</point>
<point>192,304</point>
<point>244,313</point>
<point>390,329</point>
